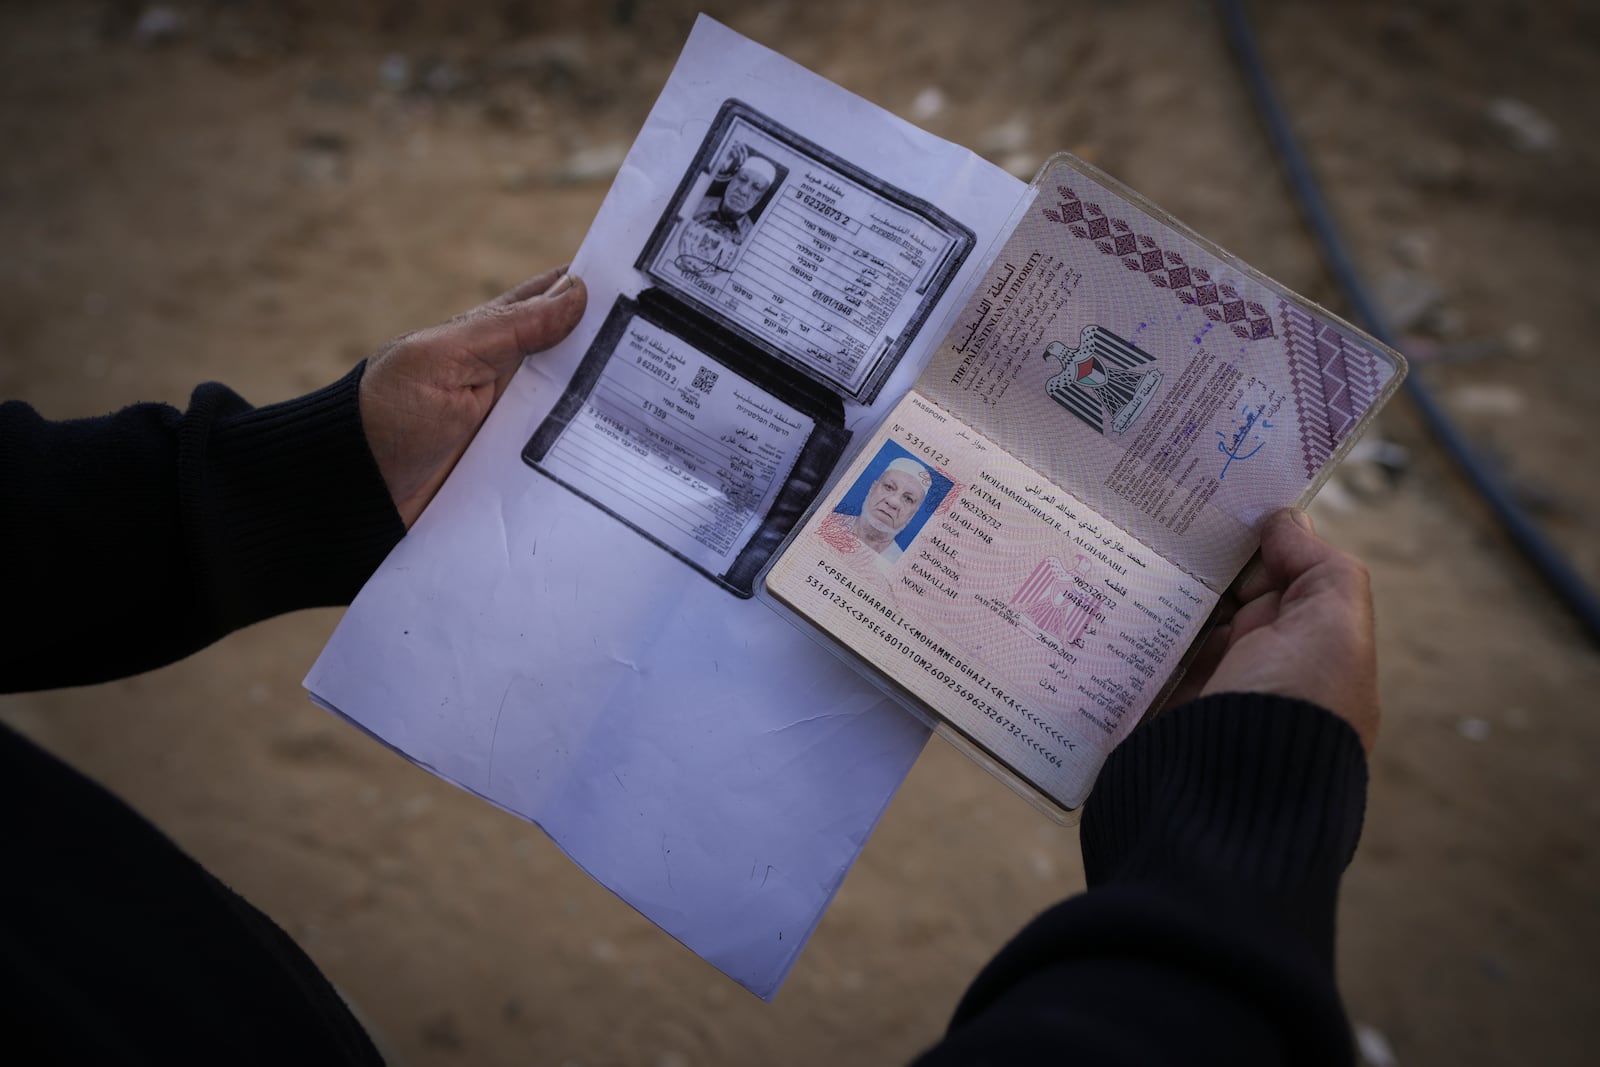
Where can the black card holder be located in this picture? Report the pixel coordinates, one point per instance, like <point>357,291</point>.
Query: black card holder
<point>737,357</point>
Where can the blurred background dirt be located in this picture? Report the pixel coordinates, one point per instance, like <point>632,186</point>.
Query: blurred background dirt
<point>262,193</point>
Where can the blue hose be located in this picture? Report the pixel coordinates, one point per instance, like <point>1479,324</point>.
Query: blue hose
<point>1552,566</point>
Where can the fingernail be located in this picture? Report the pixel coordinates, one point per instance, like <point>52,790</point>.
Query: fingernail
<point>560,288</point>
<point>1302,519</point>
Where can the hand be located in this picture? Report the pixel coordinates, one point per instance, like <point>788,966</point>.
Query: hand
<point>1303,629</point>
<point>424,395</point>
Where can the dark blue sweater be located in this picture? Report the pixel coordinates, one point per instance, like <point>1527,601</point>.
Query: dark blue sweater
<point>1213,844</point>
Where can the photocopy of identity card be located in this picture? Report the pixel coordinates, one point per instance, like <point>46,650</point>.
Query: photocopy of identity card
<point>666,441</point>
<point>1040,529</point>
<point>568,629</point>
<point>795,248</point>
<point>665,437</point>
<point>711,408</point>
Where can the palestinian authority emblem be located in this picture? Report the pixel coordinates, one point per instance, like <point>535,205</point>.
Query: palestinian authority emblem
<point>1047,598</point>
<point>1101,381</point>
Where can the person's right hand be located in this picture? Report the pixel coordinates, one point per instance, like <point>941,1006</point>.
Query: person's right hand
<point>1303,629</point>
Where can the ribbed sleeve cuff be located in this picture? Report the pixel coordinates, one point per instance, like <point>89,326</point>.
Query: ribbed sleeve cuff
<point>1258,793</point>
<point>302,513</point>
<point>1214,841</point>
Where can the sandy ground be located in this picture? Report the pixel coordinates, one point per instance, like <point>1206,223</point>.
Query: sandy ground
<point>262,199</point>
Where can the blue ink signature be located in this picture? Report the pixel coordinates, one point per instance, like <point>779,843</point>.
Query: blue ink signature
<point>1230,448</point>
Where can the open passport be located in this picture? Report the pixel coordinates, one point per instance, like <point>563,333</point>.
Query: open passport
<point>1037,533</point>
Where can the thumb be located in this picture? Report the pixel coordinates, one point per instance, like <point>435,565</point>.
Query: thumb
<point>1290,547</point>
<point>501,333</point>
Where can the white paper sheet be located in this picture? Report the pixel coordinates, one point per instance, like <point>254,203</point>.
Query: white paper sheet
<point>690,749</point>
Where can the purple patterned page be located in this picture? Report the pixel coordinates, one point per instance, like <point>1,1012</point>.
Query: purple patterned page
<point>1172,388</point>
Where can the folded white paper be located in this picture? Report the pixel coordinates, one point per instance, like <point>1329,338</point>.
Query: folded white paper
<point>567,631</point>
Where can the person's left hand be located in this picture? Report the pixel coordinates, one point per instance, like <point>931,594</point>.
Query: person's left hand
<point>425,393</point>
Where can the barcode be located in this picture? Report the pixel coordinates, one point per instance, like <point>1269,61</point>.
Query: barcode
<point>704,379</point>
